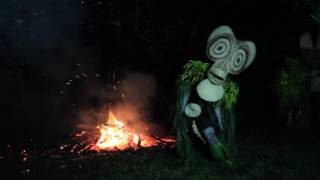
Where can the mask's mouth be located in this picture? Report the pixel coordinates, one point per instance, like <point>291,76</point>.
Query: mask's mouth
<point>214,78</point>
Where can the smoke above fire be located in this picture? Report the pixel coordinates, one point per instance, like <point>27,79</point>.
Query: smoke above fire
<point>130,98</point>
<point>56,77</point>
<point>139,90</point>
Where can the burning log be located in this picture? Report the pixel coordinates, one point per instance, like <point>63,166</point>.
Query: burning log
<point>114,135</point>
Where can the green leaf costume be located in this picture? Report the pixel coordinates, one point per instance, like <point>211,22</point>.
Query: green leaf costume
<point>206,96</point>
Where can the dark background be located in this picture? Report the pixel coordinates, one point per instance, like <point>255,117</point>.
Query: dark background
<point>45,43</point>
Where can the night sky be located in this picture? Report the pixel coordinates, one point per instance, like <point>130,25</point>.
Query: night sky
<point>44,44</point>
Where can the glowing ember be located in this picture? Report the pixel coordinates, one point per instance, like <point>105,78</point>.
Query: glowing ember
<point>116,135</point>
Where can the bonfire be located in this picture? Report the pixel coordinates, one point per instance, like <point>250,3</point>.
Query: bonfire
<point>116,135</point>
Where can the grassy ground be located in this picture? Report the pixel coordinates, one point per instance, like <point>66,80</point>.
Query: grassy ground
<point>256,158</point>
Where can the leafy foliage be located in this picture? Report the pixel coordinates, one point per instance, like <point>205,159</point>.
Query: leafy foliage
<point>310,10</point>
<point>231,92</point>
<point>229,124</point>
<point>290,83</point>
<point>183,142</point>
<point>315,16</point>
<point>228,102</point>
<point>194,71</point>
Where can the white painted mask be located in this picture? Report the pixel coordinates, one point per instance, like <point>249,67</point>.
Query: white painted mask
<point>230,56</point>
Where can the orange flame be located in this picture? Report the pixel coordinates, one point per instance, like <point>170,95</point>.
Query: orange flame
<point>116,135</point>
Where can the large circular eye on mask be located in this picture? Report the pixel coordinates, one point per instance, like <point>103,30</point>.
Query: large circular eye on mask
<point>242,58</point>
<point>219,47</point>
<point>237,62</point>
<point>220,43</point>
